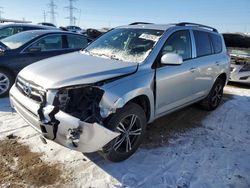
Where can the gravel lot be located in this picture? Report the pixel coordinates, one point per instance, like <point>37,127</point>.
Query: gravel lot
<point>188,148</point>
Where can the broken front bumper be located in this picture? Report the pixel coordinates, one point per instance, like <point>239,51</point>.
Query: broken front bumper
<point>65,129</point>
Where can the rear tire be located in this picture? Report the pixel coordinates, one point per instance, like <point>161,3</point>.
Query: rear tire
<point>130,121</point>
<point>212,101</point>
<point>6,81</point>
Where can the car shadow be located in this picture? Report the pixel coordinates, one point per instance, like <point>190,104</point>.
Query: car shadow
<point>5,105</point>
<point>239,85</point>
<point>158,135</point>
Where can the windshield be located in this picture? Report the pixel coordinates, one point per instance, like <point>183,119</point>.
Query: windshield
<point>17,40</point>
<point>129,45</point>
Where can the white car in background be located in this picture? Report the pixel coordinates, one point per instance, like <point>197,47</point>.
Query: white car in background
<point>75,29</point>
<point>238,46</point>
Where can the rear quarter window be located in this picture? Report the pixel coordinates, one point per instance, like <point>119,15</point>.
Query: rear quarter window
<point>77,41</point>
<point>216,42</point>
<point>203,44</point>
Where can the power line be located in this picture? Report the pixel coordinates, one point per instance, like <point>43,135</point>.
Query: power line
<point>71,8</point>
<point>52,12</point>
<point>44,16</point>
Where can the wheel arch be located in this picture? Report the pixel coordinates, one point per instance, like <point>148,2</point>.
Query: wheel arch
<point>144,102</point>
<point>8,70</point>
<point>223,76</point>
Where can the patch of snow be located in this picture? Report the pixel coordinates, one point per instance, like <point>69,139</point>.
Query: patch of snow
<point>217,154</point>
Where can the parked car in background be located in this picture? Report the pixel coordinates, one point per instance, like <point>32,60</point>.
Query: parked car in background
<point>238,46</point>
<point>24,48</point>
<point>127,78</point>
<point>75,29</point>
<point>94,33</point>
<point>7,30</point>
<point>47,24</point>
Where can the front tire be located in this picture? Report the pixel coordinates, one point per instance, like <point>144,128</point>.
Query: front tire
<point>6,81</point>
<point>130,122</point>
<point>213,100</point>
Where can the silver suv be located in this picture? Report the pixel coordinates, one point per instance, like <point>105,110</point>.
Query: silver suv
<point>101,98</point>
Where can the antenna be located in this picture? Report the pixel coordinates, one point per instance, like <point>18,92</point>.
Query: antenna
<point>1,12</point>
<point>71,8</point>
<point>52,12</point>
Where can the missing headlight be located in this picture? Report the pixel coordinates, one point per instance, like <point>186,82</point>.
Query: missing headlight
<point>82,103</point>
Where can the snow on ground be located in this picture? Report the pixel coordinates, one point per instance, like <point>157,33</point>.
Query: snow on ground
<point>213,153</point>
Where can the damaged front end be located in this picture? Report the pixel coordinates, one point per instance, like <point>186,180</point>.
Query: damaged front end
<point>73,118</point>
<point>240,68</point>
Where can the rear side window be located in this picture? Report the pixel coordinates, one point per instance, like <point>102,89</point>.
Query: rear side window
<point>7,32</point>
<point>76,41</point>
<point>217,43</point>
<point>202,42</point>
<point>18,29</point>
<point>48,43</point>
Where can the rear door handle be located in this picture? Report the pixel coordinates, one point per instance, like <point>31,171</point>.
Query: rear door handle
<point>193,69</point>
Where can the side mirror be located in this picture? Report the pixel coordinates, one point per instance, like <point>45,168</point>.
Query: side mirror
<point>34,49</point>
<point>171,59</point>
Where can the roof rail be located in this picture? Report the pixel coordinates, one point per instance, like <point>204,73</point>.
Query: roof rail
<point>198,25</point>
<point>137,23</point>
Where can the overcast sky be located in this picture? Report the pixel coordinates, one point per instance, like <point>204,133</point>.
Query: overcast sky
<point>226,15</point>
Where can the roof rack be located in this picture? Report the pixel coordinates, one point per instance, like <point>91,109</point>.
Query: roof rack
<point>198,25</point>
<point>137,23</point>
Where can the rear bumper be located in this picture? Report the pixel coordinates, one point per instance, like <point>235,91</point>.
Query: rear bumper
<point>69,132</point>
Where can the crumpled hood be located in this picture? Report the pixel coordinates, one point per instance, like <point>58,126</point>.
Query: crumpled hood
<point>74,69</point>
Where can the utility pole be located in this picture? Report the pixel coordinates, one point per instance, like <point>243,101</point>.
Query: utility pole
<point>52,7</point>
<point>44,16</point>
<point>71,8</point>
<point>1,12</point>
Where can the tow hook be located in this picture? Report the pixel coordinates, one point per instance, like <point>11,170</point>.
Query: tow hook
<point>74,136</point>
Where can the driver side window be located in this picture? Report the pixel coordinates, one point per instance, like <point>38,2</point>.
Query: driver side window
<point>6,32</point>
<point>49,43</point>
<point>179,43</point>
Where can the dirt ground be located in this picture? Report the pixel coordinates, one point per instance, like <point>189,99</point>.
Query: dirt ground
<point>21,167</point>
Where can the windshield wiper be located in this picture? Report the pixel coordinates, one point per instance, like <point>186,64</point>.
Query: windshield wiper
<point>115,58</point>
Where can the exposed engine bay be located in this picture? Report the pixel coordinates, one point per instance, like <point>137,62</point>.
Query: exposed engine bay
<point>82,103</point>
<point>239,56</point>
<point>241,60</point>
